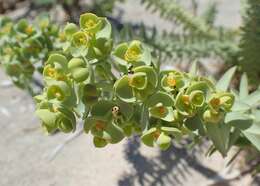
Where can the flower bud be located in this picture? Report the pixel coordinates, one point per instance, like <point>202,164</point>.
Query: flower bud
<point>78,69</point>
<point>210,117</point>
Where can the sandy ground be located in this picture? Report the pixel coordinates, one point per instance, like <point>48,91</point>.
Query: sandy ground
<point>25,150</point>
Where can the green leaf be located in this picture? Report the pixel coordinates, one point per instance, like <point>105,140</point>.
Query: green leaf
<point>253,134</point>
<point>252,99</point>
<point>225,80</point>
<point>240,106</point>
<point>239,120</point>
<point>219,134</point>
<point>194,68</point>
<point>195,123</point>
<point>243,88</point>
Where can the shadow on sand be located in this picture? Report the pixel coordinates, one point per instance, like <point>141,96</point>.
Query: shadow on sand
<point>171,167</point>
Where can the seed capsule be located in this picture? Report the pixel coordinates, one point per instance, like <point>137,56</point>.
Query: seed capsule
<point>115,111</point>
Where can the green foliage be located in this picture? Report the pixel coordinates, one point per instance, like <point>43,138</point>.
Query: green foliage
<point>122,92</point>
<point>171,10</point>
<point>25,46</point>
<point>193,37</point>
<point>250,41</point>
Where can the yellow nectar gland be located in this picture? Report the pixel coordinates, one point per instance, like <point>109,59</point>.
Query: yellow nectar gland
<point>58,95</point>
<point>7,28</point>
<point>215,102</point>
<point>82,40</point>
<point>132,54</point>
<point>133,81</point>
<point>90,23</point>
<point>51,72</point>
<point>186,99</point>
<point>99,125</point>
<point>8,50</point>
<point>171,81</point>
<point>130,81</point>
<point>29,30</point>
<point>156,134</point>
<point>62,36</point>
<point>55,109</point>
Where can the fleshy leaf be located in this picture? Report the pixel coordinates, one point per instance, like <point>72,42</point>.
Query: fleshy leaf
<point>219,134</point>
<point>239,120</point>
<point>225,80</point>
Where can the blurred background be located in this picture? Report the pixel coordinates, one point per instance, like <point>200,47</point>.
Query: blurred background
<point>30,158</point>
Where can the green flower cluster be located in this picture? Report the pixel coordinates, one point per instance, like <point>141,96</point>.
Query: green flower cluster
<point>119,91</point>
<point>24,47</point>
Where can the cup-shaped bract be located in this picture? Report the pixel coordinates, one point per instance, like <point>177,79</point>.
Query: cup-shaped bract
<point>221,102</point>
<point>104,129</point>
<point>32,47</point>
<point>197,98</point>
<point>123,90</point>
<point>160,136</point>
<point>56,67</point>
<point>66,120</point>
<point>138,80</point>
<point>172,80</point>
<point>90,22</point>
<point>183,104</point>
<point>23,27</point>
<point>138,85</point>
<point>161,106</point>
<point>59,90</point>
<point>135,53</point>
<point>81,39</point>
